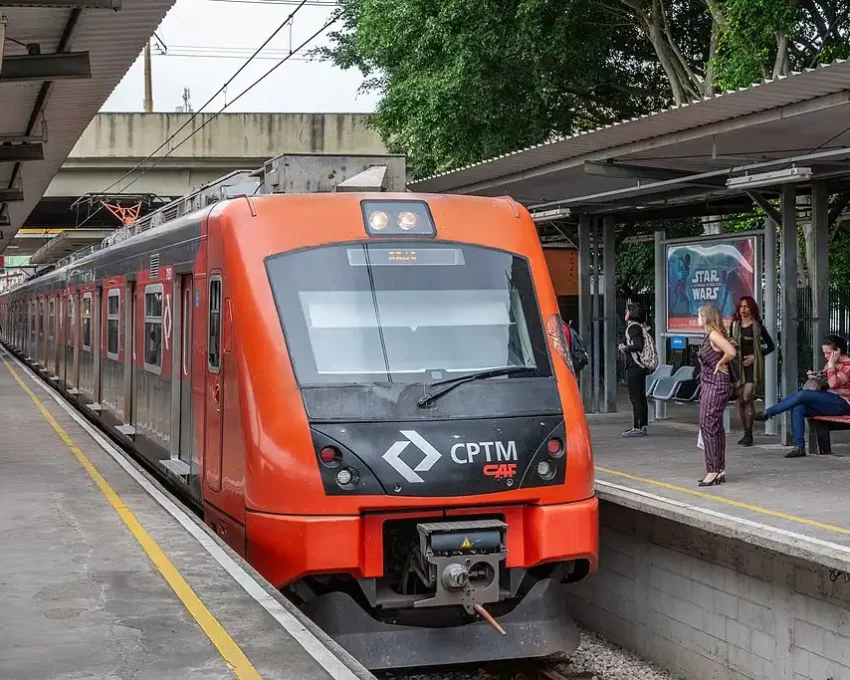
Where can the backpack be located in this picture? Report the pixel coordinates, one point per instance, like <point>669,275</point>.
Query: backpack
<point>648,357</point>
<point>578,351</point>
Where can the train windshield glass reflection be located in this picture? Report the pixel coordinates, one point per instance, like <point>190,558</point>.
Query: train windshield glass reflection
<point>351,317</point>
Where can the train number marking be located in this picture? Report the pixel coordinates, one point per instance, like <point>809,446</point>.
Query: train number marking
<point>393,456</point>
<point>501,470</point>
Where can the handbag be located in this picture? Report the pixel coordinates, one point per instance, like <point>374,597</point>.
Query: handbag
<point>734,367</point>
<point>816,383</point>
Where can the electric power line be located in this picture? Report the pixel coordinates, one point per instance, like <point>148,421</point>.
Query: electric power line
<point>208,102</point>
<point>201,55</point>
<point>311,3</point>
<point>236,99</point>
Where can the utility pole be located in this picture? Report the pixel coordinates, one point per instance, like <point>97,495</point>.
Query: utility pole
<point>148,79</point>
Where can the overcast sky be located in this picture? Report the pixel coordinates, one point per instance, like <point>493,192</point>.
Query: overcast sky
<point>227,27</point>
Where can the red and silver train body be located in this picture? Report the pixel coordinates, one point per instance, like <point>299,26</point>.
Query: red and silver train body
<point>367,395</point>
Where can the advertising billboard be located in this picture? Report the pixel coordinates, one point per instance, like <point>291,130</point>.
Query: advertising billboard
<point>716,272</point>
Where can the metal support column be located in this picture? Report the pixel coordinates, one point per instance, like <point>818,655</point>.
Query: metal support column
<point>594,303</point>
<point>820,271</point>
<point>584,309</point>
<point>771,362</point>
<point>660,311</point>
<point>788,265</point>
<point>609,334</point>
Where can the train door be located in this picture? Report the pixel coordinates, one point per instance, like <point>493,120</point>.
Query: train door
<point>61,332</point>
<point>129,352</point>
<point>215,387</point>
<point>185,420</point>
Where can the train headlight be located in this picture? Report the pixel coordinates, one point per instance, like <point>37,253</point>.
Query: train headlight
<point>407,220</point>
<point>347,478</point>
<point>378,220</point>
<point>398,218</point>
<point>546,470</point>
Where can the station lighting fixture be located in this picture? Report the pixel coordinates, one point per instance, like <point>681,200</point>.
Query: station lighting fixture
<point>550,215</point>
<point>769,179</point>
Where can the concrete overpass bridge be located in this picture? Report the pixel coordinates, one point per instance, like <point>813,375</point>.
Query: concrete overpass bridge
<point>114,143</point>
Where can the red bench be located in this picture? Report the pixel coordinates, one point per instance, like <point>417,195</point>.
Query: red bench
<point>819,429</point>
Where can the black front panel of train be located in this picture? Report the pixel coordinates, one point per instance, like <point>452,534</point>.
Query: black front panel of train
<point>442,458</point>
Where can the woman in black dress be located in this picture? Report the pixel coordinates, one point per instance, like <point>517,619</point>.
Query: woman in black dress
<point>753,343</point>
<point>635,372</point>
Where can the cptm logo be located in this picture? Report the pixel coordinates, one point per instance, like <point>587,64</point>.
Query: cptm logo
<point>501,457</point>
<point>393,456</point>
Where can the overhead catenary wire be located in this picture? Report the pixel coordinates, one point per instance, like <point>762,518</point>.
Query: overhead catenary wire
<point>208,102</point>
<point>311,3</point>
<point>233,101</point>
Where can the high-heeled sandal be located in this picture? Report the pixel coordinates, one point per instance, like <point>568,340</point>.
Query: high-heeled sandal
<point>721,477</point>
<point>714,482</point>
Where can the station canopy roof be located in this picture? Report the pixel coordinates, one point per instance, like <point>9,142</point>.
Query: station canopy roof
<point>59,62</point>
<point>682,160</point>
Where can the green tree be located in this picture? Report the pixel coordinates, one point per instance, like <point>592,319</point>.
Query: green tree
<point>463,80</point>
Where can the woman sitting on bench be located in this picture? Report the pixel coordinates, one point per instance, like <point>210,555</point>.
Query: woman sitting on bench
<point>834,401</point>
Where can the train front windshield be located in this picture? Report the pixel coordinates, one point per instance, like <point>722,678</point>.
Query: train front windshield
<point>402,312</point>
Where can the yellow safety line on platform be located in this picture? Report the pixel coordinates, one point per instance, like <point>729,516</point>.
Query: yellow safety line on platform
<point>729,501</point>
<point>229,650</point>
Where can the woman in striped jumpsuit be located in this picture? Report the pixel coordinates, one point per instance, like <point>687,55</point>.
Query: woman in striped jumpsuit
<point>716,387</point>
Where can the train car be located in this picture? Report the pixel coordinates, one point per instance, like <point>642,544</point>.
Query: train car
<point>367,395</point>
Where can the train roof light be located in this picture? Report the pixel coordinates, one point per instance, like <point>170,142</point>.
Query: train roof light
<point>398,218</point>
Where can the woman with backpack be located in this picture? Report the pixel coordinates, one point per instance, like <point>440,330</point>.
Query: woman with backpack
<point>636,372</point>
<point>753,343</point>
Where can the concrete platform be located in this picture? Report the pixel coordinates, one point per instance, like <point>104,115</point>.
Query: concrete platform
<point>103,576</point>
<point>796,507</point>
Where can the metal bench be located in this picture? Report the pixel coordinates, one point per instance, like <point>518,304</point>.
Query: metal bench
<point>820,443</point>
<point>665,389</point>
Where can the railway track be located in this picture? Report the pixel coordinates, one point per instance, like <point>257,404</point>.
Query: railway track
<point>511,670</point>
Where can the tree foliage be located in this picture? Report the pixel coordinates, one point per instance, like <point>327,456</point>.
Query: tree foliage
<point>465,80</point>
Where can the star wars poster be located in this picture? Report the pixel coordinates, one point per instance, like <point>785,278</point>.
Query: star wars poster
<point>717,273</point>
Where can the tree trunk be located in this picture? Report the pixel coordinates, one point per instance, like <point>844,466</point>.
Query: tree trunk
<point>708,83</point>
<point>668,60</point>
<point>782,65</point>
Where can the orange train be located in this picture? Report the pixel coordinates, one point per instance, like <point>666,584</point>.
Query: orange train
<point>368,396</point>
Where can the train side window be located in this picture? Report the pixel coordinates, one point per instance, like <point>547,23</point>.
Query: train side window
<point>51,318</point>
<point>87,298</point>
<point>214,352</point>
<point>187,325</point>
<point>113,323</point>
<point>153,328</point>
<point>32,317</point>
<point>41,317</point>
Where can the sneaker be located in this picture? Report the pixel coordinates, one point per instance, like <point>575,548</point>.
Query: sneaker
<point>634,432</point>
<point>796,452</point>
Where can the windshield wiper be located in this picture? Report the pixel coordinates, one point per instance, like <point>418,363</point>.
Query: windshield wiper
<point>449,384</point>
